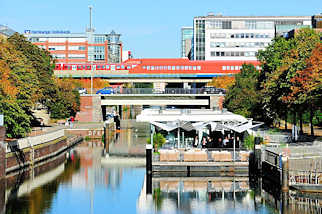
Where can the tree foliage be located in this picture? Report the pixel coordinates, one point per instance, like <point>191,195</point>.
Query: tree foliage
<point>243,97</point>
<point>222,82</point>
<point>26,79</point>
<point>291,76</point>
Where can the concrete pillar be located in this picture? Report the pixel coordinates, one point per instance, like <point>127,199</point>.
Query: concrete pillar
<point>213,102</point>
<point>285,174</point>
<point>178,141</point>
<point>107,128</point>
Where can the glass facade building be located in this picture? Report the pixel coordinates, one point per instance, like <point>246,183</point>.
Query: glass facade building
<point>186,41</point>
<point>218,37</point>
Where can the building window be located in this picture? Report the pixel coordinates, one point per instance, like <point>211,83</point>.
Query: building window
<point>198,67</point>
<point>224,68</point>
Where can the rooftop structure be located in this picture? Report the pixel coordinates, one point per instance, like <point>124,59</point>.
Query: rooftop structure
<point>6,31</point>
<point>196,119</point>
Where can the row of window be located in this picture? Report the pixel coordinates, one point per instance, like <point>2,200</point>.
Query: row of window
<point>62,48</point>
<point>248,24</point>
<point>60,40</point>
<point>232,68</point>
<point>200,57</point>
<point>240,35</point>
<point>172,67</point>
<point>70,56</point>
<point>233,53</point>
<point>238,44</point>
<point>98,67</point>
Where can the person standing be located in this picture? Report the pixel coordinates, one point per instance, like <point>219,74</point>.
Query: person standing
<point>196,142</point>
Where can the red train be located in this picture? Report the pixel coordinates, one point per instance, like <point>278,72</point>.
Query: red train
<point>164,66</point>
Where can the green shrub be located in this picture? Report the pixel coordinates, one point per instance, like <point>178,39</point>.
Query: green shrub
<point>158,141</point>
<point>249,142</point>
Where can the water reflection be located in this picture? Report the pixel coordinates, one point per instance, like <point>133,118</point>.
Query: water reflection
<point>198,195</point>
<point>86,184</point>
<point>130,139</point>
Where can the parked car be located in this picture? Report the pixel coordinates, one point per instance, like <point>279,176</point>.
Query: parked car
<point>213,90</point>
<point>82,90</point>
<point>106,90</point>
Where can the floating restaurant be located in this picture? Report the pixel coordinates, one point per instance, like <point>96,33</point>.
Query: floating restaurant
<point>199,139</point>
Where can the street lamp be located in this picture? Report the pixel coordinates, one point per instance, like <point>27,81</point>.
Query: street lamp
<point>92,70</point>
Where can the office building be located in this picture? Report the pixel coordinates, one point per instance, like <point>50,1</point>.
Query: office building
<point>86,47</point>
<point>186,41</point>
<point>218,37</point>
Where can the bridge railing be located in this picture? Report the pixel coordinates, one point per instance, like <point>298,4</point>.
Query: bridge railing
<point>164,91</point>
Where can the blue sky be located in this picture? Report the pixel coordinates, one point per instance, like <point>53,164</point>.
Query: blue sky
<point>150,28</point>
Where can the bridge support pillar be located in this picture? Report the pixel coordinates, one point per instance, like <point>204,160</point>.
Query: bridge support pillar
<point>285,176</point>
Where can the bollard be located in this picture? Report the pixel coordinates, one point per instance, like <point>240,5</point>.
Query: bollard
<point>148,168</point>
<point>285,179</point>
<point>285,202</point>
<point>258,155</point>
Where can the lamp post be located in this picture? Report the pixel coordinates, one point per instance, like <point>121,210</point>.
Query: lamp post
<point>92,70</point>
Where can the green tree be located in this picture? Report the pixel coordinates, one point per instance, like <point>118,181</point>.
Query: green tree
<point>243,96</point>
<point>42,64</point>
<point>281,63</point>
<point>65,101</point>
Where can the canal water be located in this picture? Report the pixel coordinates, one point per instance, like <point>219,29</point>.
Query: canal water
<point>86,182</point>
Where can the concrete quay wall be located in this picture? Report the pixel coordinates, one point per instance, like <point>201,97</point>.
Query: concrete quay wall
<point>30,151</point>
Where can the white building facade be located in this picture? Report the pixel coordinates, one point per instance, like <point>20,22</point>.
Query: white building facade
<point>237,37</point>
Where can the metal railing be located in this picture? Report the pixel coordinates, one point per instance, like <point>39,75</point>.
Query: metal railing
<point>158,91</point>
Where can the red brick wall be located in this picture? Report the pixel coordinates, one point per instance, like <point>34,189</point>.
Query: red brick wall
<point>85,113</point>
<point>40,152</point>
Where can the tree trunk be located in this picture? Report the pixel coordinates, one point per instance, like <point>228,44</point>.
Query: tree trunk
<point>311,121</point>
<point>301,123</point>
<point>294,118</point>
<point>285,120</point>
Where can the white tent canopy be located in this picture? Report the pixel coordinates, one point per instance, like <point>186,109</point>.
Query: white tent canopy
<point>196,119</point>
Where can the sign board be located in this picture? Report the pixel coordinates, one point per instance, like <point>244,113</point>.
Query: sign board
<point>47,32</point>
<point>1,120</point>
